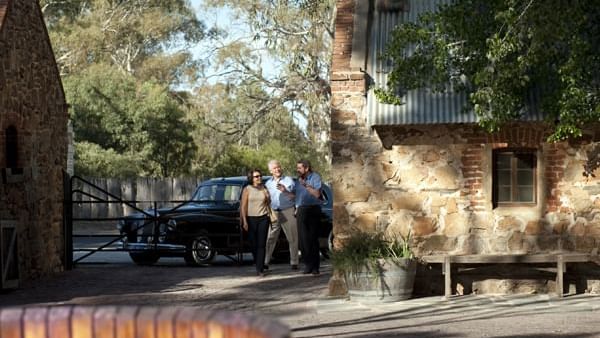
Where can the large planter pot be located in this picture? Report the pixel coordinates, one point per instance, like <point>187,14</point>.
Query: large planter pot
<point>391,282</point>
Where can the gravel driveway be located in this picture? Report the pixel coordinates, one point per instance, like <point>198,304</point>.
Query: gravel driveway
<point>300,301</point>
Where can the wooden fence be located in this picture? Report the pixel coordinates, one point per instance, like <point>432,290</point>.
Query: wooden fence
<point>143,192</point>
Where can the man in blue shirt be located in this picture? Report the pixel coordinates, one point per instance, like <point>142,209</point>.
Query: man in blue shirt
<point>281,189</point>
<point>308,215</point>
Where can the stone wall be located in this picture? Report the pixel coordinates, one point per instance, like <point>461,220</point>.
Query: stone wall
<point>434,181</point>
<point>32,101</point>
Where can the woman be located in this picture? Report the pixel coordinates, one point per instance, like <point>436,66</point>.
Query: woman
<point>254,216</point>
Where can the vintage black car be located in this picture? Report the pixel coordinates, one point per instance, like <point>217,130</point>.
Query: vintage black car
<point>207,225</point>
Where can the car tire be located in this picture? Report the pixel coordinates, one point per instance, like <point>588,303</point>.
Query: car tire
<point>280,256</point>
<point>144,258</point>
<point>326,252</point>
<point>199,251</point>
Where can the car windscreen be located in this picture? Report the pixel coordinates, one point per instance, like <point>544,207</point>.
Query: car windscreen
<point>218,193</point>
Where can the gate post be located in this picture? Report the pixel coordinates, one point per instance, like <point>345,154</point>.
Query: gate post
<point>68,220</point>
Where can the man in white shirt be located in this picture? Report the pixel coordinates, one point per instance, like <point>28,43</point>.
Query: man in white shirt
<point>281,189</point>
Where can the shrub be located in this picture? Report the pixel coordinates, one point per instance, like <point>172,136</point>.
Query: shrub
<point>366,249</point>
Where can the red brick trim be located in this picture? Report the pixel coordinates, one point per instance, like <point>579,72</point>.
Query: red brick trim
<point>342,45</point>
<point>554,160</point>
<point>515,136</point>
<point>523,135</point>
<point>472,170</point>
<point>350,84</point>
<point>134,321</point>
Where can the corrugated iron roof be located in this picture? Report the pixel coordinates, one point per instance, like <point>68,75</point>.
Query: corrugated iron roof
<point>421,106</point>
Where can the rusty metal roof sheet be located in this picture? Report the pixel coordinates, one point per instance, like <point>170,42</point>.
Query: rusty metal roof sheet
<point>421,106</point>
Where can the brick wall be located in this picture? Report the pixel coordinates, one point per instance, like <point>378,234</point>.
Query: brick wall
<point>347,95</point>
<point>530,136</point>
<point>472,171</point>
<point>342,45</point>
<point>32,100</point>
<point>555,166</point>
<point>514,136</point>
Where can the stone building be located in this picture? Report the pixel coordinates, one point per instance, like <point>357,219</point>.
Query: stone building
<point>426,168</point>
<point>33,146</point>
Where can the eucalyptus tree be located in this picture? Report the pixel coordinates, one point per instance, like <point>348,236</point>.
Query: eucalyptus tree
<point>138,37</point>
<point>499,51</point>
<point>283,60</point>
<point>120,62</point>
<point>275,135</point>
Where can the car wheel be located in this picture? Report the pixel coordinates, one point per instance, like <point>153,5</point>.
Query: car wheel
<point>280,256</point>
<point>326,252</point>
<point>144,258</point>
<point>199,251</point>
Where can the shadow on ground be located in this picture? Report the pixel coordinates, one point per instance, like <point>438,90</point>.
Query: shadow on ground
<point>301,302</point>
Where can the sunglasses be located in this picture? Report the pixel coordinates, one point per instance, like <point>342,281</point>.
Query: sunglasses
<point>257,176</point>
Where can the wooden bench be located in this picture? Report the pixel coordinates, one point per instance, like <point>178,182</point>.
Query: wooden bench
<point>560,259</point>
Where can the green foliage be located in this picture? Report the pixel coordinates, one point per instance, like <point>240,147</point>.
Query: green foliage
<point>125,34</point>
<point>125,64</point>
<point>94,161</point>
<point>123,116</point>
<point>501,52</point>
<point>236,160</point>
<point>120,61</point>
<point>365,249</point>
<point>294,38</point>
<point>219,112</point>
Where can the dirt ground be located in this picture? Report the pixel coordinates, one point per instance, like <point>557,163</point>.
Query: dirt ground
<point>301,302</point>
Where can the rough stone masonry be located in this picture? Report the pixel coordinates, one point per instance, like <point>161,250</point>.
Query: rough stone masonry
<point>435,181</point>
<point>33,140</point>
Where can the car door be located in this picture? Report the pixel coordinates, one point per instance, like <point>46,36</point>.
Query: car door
<point>326,211</point>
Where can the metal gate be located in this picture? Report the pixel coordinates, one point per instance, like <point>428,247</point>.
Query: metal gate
<point>9,266</point>
<point>80,192</point>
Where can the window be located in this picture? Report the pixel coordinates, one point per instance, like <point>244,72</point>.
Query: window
<point>12,150</point>
<point>206,193</point>
<point>514,177</point>
<point>232,193</point>
<point>218,193</point>
<point>324,196</point>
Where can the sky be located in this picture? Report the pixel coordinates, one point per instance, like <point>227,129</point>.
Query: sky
<point>236,29</point>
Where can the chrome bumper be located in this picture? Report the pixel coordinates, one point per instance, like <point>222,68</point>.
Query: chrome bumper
<point>150,246</point>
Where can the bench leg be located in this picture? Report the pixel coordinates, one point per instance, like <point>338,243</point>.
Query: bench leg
<point>447,277</point>
<point>560,271</point>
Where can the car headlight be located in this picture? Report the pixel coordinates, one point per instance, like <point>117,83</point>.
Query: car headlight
<point>121,225</point>
<point>162,232</point>
<point>162,228</point>
<point>172,224</point>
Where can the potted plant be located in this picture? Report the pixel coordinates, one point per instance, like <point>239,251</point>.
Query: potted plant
<point>376,266</point>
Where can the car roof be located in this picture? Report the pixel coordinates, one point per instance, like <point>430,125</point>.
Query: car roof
<point>231,180</point>
<point>243,180</point>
